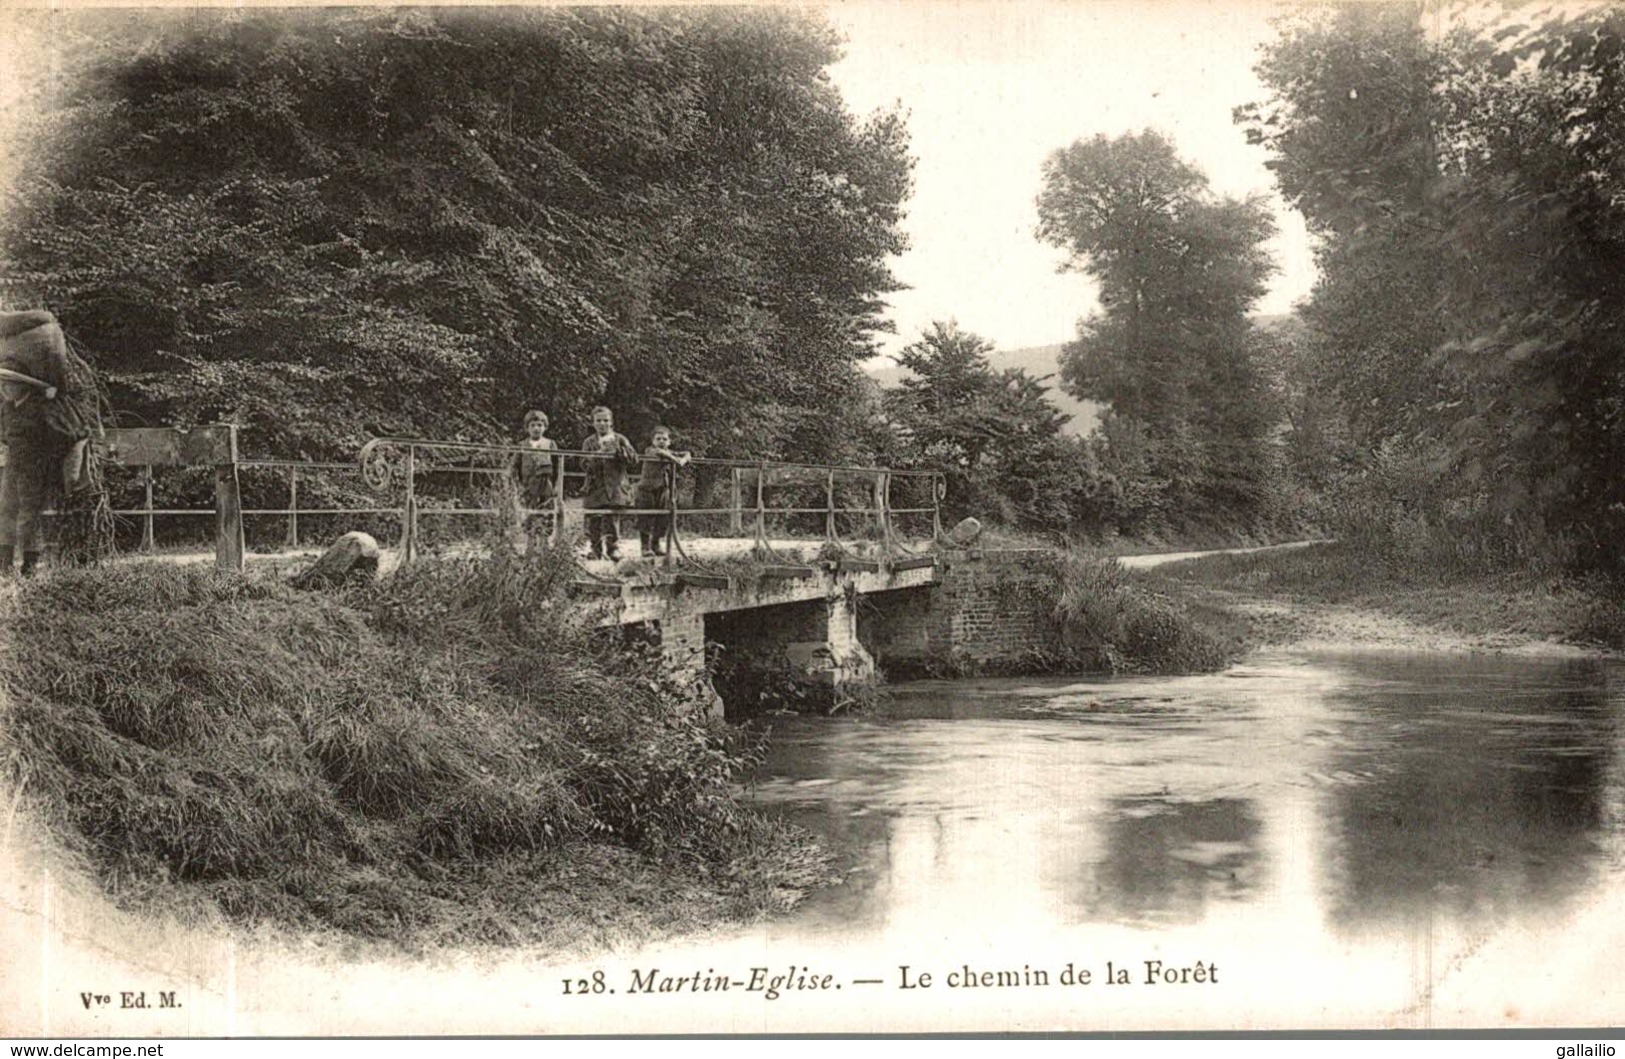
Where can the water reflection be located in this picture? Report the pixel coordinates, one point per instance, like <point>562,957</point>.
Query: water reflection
<point>1164,861</point>
<point>1489,794</point>
<point>1339,794</point>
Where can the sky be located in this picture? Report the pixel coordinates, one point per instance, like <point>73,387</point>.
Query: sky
<point>992,88</point>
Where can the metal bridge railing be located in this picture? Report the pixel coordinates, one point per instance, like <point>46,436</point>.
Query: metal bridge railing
<point>837,505</point>
<point>389,464</point>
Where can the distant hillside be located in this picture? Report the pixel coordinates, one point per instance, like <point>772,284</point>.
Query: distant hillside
<point>1034,360</point>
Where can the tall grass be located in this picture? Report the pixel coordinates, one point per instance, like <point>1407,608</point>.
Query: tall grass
<point>369,760</point>
<point>1106,619</point>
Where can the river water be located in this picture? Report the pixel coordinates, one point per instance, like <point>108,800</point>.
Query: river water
<point>1309,841</point>
<point>1339,839</point>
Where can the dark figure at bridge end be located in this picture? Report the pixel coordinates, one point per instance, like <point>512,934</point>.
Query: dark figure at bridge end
<point>33,370</point>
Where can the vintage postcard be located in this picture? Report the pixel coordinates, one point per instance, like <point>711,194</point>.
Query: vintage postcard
<point>859,518</point>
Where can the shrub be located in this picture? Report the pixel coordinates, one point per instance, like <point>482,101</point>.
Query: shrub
<point>1104,619</point>
<point>301,753</point>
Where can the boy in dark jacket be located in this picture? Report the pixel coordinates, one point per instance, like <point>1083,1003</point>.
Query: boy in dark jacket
<point>607,487</point>
<point>654,491</point>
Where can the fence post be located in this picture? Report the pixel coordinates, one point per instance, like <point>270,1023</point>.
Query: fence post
<point>736,503</point>
<point>555,532</point>
<point>761,509</point>
<point>229,544</point>
<point>670,471</point>
<point>885,508</point>
<point>147,544</point>
<point>409,513</point>
<point>939,489</point>
<point>829,511</point>
<point>293,508</point>
<point>877,500</point>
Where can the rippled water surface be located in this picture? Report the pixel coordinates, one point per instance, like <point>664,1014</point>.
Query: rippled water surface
<point>1357,800</point>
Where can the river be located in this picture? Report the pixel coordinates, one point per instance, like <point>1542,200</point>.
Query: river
<point>1307,841</point>
<point>1339,839</point>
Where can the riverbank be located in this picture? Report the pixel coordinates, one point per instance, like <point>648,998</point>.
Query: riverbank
<point>453,756</point>
<point>1326,596</point>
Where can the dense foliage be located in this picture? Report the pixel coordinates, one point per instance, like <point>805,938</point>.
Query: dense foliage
<point>995,434</point>
<point>332,224</point>
<point>1468,187</point>
<point>1171,349</point>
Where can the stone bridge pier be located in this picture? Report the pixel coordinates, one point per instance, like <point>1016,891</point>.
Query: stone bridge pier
<point>829,625</point>
<point>816,640</point>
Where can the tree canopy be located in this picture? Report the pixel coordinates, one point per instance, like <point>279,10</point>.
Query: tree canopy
<point>1468,186</point>
<point>995,433</point>
<point>332,224</point>
<point>1171,348</point>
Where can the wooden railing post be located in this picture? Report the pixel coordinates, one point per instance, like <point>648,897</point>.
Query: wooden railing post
<point>147,544</point>
<point>829,510</point>
<point>736,503</point>
<point>670,471</point>
<point>885,508</point>
<point>877,501</point>
<point>293,507</point>
<point>409,513</point>
<point>229,543</point>
<point>939,489</point>
<point>761,508</point>
<point>556,531</point>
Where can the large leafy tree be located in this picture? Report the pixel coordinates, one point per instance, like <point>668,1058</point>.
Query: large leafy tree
<point>1468,186</point>
<point>995,433</point>
<point>337,223</point>
<point>1171,347</point>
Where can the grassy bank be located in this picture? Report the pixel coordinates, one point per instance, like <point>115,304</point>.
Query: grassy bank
<point>1093,616</point>
<point>1488,609</point>
<point>452,755</point>
<point>1108,619</point>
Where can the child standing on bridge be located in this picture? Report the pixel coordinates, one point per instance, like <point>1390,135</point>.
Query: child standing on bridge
<point>655,486</point>
<point>533,472</point>
<point>607,487</point>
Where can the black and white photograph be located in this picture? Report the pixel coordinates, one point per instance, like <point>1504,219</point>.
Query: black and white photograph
<point>920,517</point>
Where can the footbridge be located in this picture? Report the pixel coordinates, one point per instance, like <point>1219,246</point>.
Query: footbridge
<point>825,565</point>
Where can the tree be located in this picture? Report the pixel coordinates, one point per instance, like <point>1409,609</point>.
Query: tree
<point>1468,187</point>
<point>332,224</point>
<point>995,433</point>
<point>1171,347</point>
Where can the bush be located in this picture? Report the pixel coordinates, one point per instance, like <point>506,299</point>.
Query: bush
<point>1408,511</point>
<point>1105,620</point>
<point>282,749</point>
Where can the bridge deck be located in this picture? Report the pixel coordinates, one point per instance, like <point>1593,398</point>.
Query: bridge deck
<point>704,551</point>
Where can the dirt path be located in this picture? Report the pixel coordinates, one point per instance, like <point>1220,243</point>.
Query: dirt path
<point>1145,562</point>
<point>1306,626</point>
